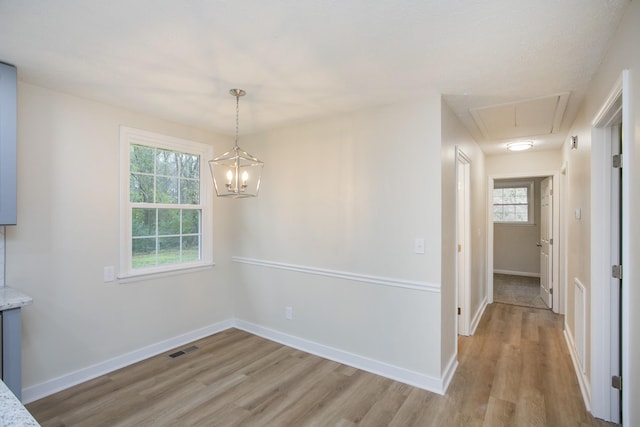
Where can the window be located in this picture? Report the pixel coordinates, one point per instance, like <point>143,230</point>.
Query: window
<point>513,202</point>
<point>165,204</point>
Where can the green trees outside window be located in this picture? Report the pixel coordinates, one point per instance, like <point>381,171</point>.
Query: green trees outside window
<point>166,216</point>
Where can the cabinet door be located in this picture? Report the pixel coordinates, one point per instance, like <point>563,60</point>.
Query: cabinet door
<point>8,91</point>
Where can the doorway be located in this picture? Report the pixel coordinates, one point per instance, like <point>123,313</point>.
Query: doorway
<point>555,290</point>
<point>609,189</point>
<point>463,236</point>
<point>523,241</point>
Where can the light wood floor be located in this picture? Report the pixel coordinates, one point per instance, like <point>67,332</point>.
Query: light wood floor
<point>515,371</point>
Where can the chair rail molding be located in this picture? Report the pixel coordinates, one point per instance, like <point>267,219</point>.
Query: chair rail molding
<point>357,277</point>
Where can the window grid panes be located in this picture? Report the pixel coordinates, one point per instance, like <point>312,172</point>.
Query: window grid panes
<point>511,204</point>
<point>166,216</point>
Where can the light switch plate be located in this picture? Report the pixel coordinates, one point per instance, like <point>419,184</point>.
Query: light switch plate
<point>418,246</point>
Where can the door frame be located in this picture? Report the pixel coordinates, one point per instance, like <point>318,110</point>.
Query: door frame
<point>463,238</point>
<point>615,106</point>
<point>559,286</point>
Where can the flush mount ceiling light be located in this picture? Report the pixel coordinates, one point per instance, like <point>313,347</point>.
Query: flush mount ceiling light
<point>519,146</point>
<point>236,173</point>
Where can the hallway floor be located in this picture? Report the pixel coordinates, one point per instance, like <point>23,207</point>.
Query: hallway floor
<point>516,371</point>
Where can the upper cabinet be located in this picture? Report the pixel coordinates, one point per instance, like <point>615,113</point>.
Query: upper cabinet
<point>8,122</point>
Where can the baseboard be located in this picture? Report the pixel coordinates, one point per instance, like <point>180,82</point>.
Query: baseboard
<point>476,318</point>
<point>516,273</point>
<point>416,379</point>
<point>451,368</point>
<point>583,381</point>
<point>47,388</point>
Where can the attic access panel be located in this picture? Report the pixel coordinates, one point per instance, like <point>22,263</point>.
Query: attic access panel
<point>538,116</point>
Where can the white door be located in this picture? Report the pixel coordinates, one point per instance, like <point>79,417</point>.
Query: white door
<point>546,241</point>
<point>616,280</point>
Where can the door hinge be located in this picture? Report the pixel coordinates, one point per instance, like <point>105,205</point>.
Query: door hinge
<point>551,192</point>
<point>616,382</point>
<point>551,291</point>
<point>616,271</point>
<point>551,241</point>
<point>458,311</point>
<point>459,248</point>
<point>617,161</point>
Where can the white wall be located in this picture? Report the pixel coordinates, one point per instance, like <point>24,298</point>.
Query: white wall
<point>623,54</point>
<point>523,163</point>
<point>514,245</point>
<point>578,231</point>
<point>349,194</point>
<point>68,181</point>
<point>455,134</point>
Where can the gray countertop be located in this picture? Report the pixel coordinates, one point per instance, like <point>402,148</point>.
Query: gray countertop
<point>12,412</point>
<point>11,298</point>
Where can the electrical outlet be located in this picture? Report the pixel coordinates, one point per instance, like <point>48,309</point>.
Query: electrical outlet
<point>109,274</point>
<point>288,313</point>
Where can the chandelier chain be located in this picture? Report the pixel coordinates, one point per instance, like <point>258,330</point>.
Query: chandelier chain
<point>237,118</point>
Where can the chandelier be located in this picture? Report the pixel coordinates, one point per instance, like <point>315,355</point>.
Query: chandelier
<point>236,173</point>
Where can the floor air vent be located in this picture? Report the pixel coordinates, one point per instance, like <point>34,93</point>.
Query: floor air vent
<point>183,351</point>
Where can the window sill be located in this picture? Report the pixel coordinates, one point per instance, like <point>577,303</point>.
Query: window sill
<point>159,274</point>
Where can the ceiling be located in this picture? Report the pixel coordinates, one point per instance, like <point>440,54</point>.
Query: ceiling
<point>301,60</point>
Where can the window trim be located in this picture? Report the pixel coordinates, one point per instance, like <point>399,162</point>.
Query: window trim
<point>130,136</point>
<point>530,201</point>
